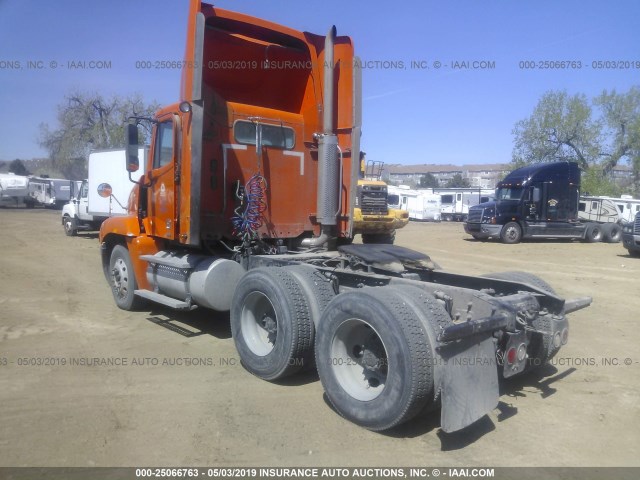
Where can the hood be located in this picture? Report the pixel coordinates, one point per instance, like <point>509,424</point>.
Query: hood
<point>490,204</point>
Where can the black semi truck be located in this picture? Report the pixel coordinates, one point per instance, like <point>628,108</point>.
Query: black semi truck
<point>538,201</point>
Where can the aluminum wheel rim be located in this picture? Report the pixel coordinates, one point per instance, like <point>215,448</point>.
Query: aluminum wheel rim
<point>512,233</point>
<point>359,360</point>
<point>259,324</point>
<point>120,278</point>
<point>67,224</point>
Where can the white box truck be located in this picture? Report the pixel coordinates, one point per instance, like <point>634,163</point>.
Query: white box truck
<point>104,194</point>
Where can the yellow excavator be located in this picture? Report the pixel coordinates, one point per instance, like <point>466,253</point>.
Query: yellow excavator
<point>372,217</point>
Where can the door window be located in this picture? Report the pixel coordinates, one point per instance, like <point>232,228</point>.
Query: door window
<point>164,145</point>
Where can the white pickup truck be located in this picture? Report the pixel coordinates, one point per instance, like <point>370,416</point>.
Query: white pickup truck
<point>104,194</point>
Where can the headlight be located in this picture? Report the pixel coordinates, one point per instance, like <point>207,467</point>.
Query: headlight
<point>627,229</point>
<point>489,217</point>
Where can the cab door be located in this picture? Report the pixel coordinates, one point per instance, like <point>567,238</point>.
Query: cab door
<point>83,201</point>
<point>162,191</point>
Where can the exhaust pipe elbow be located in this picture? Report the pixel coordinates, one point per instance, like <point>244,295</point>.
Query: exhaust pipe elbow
<point>325,235</point>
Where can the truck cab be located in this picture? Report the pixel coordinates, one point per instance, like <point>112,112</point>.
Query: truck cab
<point>536,201</point>
<point>75,214</point>
<point>373,215</point>
<point>246,204</point>
<point>631,236</point>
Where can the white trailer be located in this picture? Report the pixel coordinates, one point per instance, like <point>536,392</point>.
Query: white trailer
<point>605,214</point>
<point>598,209</point>
<point>456,201</point>
<point>627,206</point>
<point>61,189</point>
<point>104,194</point>
<point>420,204</point>
<point>14,189</point>
<point>40,193</point>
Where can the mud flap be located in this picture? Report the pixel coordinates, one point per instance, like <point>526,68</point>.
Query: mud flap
<point>470,381</point>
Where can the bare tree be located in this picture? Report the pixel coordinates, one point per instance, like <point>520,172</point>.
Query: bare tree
<point>88,121</point>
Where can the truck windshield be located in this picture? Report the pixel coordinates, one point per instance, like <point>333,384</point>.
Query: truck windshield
<point>514,193</point>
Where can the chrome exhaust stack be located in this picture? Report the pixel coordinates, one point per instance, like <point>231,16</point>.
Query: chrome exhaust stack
<point>328,200</point>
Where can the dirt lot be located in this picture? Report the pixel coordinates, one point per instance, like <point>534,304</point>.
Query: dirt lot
<point>55,304</point>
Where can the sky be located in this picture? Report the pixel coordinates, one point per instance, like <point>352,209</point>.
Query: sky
<point>411,115</point>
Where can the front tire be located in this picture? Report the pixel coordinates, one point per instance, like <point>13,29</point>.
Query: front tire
<point>271,323</point>
<point>511,233</point>
<point>123,279</point>
<point>70,226</point>
<point>380,238</point>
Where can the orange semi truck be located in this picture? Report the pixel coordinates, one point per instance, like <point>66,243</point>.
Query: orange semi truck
<point>246,204</point>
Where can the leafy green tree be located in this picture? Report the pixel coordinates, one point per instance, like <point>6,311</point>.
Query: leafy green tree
<point>428,181</point>
<point>559,129</point>
<point>457,181</point>
<point>89,121</point>
<point>598,135</point>
<point>18,167</point>
<point>621,127</point>
<point>594,182</point>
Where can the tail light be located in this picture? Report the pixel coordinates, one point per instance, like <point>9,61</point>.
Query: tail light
<point>512,355</point>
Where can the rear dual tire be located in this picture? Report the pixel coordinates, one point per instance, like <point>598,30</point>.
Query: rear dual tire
<point>375,356</point>
<point>273,316</point>
<point>611,233</point>
<point>593,233</point>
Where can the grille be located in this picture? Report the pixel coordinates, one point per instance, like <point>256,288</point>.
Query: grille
<point>475,215</point>
<point>636,225</point>
<point>374,203</point>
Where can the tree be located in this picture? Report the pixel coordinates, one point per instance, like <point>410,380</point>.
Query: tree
<point>88,121</point>
<point>457,181</point>
<point>428,181</point>
<point>598,135</point>
<point>560,129</point>
<point>594,182</point>
<point>621,127</point>
<point>17,166</point>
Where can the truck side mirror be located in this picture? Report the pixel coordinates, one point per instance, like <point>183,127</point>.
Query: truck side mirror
<point>133,162</point>
<point>536,194</point>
